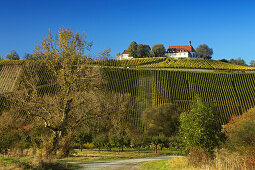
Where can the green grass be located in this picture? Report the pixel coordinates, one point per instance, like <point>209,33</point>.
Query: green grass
<point>155,165</point>
<point>167,164</point>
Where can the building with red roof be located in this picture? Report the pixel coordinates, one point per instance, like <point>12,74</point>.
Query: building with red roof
<point>124,55</point>
<point>181,51</point>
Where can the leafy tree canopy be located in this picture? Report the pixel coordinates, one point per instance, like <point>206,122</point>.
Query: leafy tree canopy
<point>158,50</point>
<point>13,55</point>
<point>162,119</point>
<point>200,127</point>
<point>204,51</point>
<point>132,49</point>
<point>60,91</point>
<point>143,50</point>
<point>238,61</point>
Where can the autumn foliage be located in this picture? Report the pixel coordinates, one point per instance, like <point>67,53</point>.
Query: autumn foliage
<point>241,136</point>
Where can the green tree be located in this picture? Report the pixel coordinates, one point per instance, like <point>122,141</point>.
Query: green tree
<point>140,141</point>
<point>143,51</point>
<point>120,111</point>
<point>156,140</point>
<point>163,119</point>
<point>238,61</point>
<point>160,123</point>
<point>132,49</point>
<point>1,57</point>
<point>200,127</point>
<point>140,51</point>
<point>252,63</point>
<point>152,54</point>
<point>83,138</point>
<point>158,50</point>
<point>204,51</point>
<point>147,50</point>
<point>61,90</point>
<point>13,55</point>
<point>100,140</point>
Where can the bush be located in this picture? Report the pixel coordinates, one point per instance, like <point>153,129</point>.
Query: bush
<point>241,136</point>
<point>198,157</point>
<point>200,127</point>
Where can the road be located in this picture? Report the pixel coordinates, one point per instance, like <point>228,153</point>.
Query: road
<point>130,164</point>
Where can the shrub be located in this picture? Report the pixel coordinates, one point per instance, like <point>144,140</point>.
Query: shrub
<point>241,136</point>
<point>198,157</point>
<point>200,127</point>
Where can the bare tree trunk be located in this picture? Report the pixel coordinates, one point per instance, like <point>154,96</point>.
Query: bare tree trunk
<point>59,133</point>
<point>56,141</point>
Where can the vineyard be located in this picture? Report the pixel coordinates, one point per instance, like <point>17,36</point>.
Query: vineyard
<point>230,93</point>
<point>171,63</point>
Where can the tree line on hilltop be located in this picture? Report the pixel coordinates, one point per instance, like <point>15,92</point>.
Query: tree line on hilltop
<point>158,50</point>
<point>144,51</point>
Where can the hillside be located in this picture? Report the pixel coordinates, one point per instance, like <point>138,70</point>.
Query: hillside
<point>232,93</point>
<point>9,72</point>
<point>171,63</point>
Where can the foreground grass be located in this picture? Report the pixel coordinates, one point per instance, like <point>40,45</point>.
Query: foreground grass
<point>92,155</point>
<point>167,164</point>
<point>8,163</point>
<point>87,155</point>
<point>181,163</point>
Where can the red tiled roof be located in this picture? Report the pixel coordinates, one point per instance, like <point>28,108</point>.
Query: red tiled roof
<point>125,52</point>
<point>186,48</point>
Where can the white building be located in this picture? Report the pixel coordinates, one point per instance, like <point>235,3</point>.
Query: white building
<point>124,55</point>
<point>181,51</point>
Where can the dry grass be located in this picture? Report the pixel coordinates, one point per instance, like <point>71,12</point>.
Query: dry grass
<point>224,160</point>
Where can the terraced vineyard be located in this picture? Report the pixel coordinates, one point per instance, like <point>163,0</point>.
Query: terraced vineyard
<point>231,93</point>
<point>9,72</point>
<point>171,63</point>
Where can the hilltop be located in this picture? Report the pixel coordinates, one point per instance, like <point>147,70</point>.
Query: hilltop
<point>163,62</point>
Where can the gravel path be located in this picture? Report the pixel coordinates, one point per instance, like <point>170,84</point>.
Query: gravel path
<point>130,164</point>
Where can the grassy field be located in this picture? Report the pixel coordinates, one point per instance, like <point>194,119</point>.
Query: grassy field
<point>87,155</point>
<point>167,164</point>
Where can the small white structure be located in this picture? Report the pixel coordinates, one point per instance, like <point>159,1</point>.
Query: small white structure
<point>181,51</point>
<point>124,55</point>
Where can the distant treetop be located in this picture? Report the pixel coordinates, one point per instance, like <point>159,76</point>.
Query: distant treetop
<point>204,51</point>
<point>13,55</point>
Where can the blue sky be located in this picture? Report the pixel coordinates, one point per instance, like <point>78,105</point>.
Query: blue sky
<point>227,26</point>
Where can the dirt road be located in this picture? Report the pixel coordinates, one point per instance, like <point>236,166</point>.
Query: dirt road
<point>130,164</point>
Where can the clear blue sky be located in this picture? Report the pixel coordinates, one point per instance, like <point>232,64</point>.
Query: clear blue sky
<point>227,26</point>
